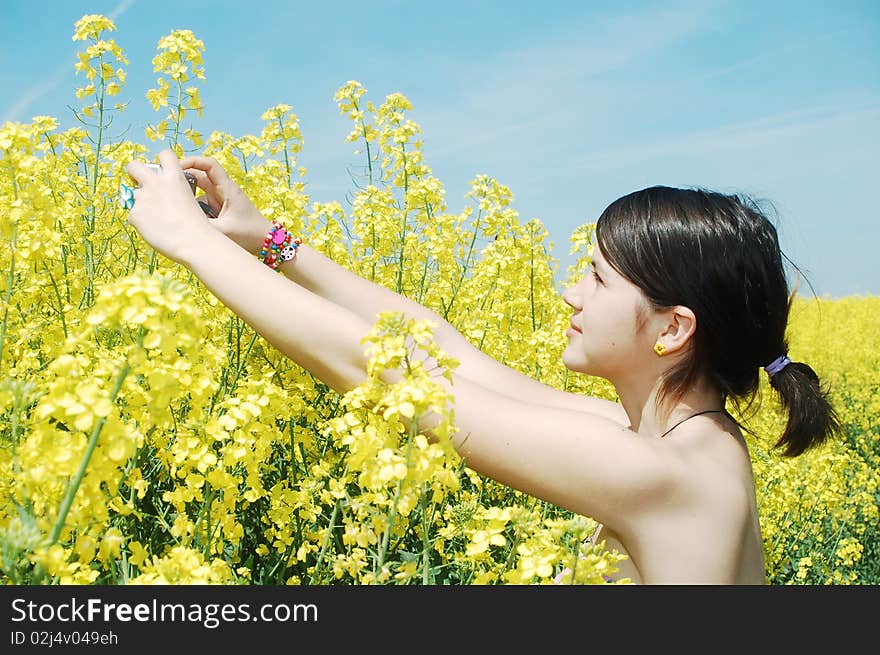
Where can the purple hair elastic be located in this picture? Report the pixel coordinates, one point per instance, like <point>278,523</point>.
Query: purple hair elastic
<point>777,365</point>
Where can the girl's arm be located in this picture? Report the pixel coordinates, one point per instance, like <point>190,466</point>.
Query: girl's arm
<point>326,278</point>
<point>318,334</point>
<point>242,222</point>
<point>577,460</point>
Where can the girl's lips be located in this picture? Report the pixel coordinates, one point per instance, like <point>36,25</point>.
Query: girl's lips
<point>575,327</point>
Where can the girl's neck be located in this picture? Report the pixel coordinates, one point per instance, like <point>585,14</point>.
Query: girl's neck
<point>648,420</point>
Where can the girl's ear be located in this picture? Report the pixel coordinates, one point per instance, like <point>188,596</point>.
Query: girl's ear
<point>680,328</point>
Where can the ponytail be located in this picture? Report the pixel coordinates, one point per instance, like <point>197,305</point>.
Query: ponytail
<point>811,418</point>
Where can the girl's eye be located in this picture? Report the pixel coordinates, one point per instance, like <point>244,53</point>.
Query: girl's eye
<point>597,278</point>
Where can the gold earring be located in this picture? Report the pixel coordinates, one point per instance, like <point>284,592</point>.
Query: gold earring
<point>660,349</point>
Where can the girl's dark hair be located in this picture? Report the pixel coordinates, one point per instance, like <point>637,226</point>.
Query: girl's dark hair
<point>719,256</point>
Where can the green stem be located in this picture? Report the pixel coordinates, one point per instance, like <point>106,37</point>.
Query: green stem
<point>326,543</point>
<point>373,269</point>
<point>205,517</point>
<point>177,112</point>
<point>58,296</point>
<point>386,537</point>
<point>77,479</point>
<point>403,226</point>
<point>366,143</point>
<point>426,542</point>
<point>94,180</point>
<point>286,156</point>
<point>242,361</point>
<point>10,280</point>
<point>67,277</point>
<point>89,248</point>
<point>467,263</point>
<point>532,281</point>
<point>422,289</point>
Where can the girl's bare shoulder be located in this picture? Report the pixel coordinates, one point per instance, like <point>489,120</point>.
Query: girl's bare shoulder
<point>718,457</point>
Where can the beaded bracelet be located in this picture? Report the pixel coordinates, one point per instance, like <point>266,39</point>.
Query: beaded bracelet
<point>278,246</point>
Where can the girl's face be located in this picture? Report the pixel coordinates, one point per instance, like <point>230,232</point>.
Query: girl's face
<point>606,305</point>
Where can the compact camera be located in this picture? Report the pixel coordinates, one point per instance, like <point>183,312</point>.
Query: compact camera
<point>126,193</point>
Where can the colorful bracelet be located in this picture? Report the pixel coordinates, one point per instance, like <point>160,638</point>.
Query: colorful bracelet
<point>278,246</point>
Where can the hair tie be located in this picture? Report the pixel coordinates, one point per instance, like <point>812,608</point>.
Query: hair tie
<point>777,365</point>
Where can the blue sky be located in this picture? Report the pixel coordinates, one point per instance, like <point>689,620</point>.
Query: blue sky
<point>570,104</point>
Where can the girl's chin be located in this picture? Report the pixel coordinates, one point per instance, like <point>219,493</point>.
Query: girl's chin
<point>576,365</point>
<point>577,362</point>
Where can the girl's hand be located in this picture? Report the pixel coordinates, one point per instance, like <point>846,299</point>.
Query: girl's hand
<point>165,213</point>
<point>237,217</point>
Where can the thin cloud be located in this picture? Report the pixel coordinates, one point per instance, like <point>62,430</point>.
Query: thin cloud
<point>788,48</point>
<point>35,92</point>
<point>55,79</point>
<point>531,87</point>
<point>744,135</point>
<point>121,8</point>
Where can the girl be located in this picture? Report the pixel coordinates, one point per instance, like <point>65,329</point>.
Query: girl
<point>686,301</point>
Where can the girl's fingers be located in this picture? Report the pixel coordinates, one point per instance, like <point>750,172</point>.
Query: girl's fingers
<point>169,161</point>
<point>212,169</point>
<point>138,172</point>
<point>202,180</point>
<point>212,193</point>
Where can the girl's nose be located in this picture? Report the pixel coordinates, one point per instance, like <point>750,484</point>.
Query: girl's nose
<point>569,297</point>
